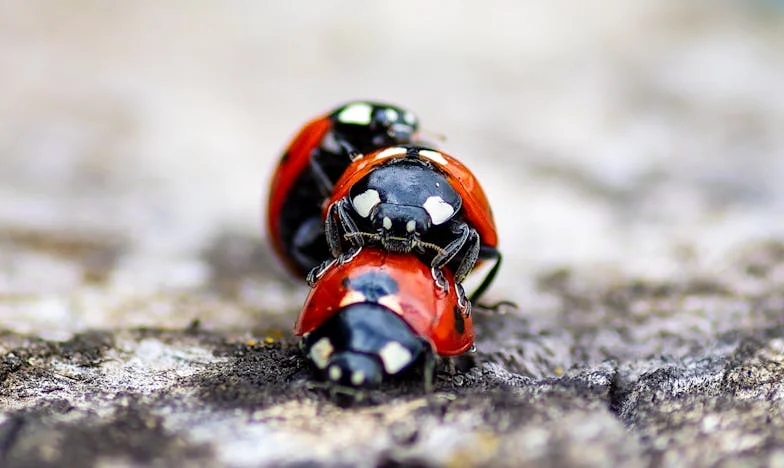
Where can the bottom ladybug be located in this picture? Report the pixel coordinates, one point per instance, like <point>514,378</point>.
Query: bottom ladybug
<point>379,314</point>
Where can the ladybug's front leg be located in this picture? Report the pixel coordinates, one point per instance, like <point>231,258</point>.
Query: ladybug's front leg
<point>444,256</point>
<point>337,231</point>
<point>337,224</point>
<point>465,235</point>
<point>315,273</point>
<point>468,261</point>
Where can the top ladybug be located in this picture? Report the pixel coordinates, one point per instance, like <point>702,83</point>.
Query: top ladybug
<point>413,199</point>
<point>311,165</point>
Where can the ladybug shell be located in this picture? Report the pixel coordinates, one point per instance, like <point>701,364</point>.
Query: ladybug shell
<point>295,159</point>
<point>401,283</point>
<point>476,208</point>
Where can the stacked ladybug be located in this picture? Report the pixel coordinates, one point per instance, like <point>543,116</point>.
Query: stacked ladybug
<point>385,229</point>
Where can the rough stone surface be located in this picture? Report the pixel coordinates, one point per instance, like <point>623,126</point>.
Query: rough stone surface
<point>633,153</point>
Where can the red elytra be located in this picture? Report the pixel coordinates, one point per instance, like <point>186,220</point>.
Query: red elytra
<point>476,208</point>
<point>431,313</point>
<point>294,161</point>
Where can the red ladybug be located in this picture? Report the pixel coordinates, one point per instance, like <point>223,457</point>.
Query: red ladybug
<point>378,315</point>
<point>414,199</point>
<point>314,160</point>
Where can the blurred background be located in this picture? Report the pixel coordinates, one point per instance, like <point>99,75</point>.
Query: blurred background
<point>615,139</point>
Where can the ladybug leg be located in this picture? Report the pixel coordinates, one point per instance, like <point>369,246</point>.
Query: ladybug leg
<point>318,271</point>
<point>468,261</point>
<point>462,300</point>
<point>466,235</point>
<point>339,222</point>
<point>440,279</point>
<point>488,253</point>
<point>348,256</point>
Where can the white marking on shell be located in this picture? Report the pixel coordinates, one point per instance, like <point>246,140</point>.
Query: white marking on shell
<point>364,202</point>
<point>335,373</point>
<point>394,357</point>
<point>320,352</point>
<point>360,113</point>
<point>389,152</point>
<point>391,114</point>
<point>387,223</point>
<point>357,377</point>
<point>433,156</point>
<point>410,226</point>
<point>409,117</point>
<point>439,210</point>
<point>330,144</point>
<point>352,297</point>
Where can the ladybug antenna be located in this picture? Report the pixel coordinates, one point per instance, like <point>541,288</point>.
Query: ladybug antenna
<point>428,245</point>
<point>376,237</point>
<point>369,235</point>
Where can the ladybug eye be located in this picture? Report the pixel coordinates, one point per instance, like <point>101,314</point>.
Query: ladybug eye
<point>410,118</point>
<point>365,201</point>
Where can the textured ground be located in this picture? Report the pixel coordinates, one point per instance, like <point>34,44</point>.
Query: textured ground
<point>633,153</point>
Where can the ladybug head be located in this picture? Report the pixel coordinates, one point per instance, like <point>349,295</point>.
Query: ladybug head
<point>370,125</point>
<point>403,201</point>
<point>362,343</point>
<point>399,226</point>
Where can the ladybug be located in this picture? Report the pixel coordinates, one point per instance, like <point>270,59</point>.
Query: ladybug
<point>413,199</point>
<point>313,162</point>
<point>377,316</point>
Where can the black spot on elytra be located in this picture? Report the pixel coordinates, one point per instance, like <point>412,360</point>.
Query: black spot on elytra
<point>459,320</point>
<point>374,285</point>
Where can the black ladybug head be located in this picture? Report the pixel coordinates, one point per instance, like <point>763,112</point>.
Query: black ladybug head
<point>370,125</point>
<point>403,200</point>
<point>361,344</point>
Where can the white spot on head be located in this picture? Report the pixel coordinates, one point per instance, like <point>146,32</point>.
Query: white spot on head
<point>439,210</point>
<point>359,113</point>
<point>389,152</point>
<point>365,201</point>
<point>410,118</point>
<point>434,156</point>
<point>387,223</point>
<point>394,357</point>
<point>358,377</point>
<point>391,114</point>
<point>410,226</point>
<point>335,373</point>
<point>320,352</point>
